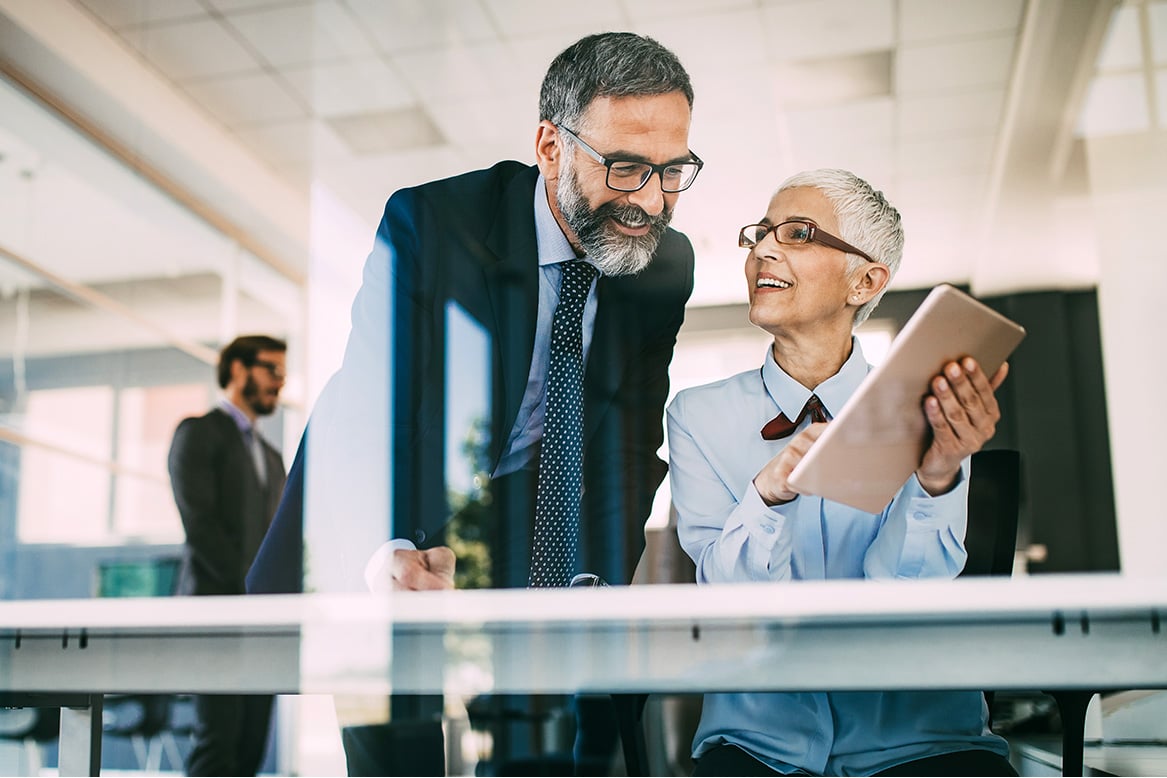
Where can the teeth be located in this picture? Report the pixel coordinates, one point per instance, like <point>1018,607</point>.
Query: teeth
<point>773,282</point>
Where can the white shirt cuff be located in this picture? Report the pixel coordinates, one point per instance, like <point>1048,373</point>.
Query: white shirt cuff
<point>379,568</point>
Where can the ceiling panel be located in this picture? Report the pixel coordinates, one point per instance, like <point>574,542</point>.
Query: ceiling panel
<point>303,34</point>
<point>949,113</point>
<point>927,20</point>
<point>955,65</point>
<point>402,129</point>
<point>716,48</point>
<point>476,120</point>
<point>815,29</point>
<point>300,142</point>
<point>1123,49</point>
<point>349,87</point>
<point>119,13</point>
<point>229,6</point>
<point>519,18</point>
<point>1157,14</point>
<point>246,99</point>
<point>452,72</point>
<point>944,156</point>
<point>836,80</point>
<point>415,25</point>
<point>1116,104</point>
<point>192,49</point>
<point>643,10</point>
<point>831,127</point>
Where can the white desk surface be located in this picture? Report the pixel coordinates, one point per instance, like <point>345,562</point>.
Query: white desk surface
<point>1098,631</point>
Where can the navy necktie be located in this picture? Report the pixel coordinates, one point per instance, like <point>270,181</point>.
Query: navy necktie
<point>780,427</point>
<point>554,550</point>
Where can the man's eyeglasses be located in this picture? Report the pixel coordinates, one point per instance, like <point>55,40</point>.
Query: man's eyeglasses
<point>792,233</point>
<point>626,175</point>
<point>586,580</point>
<point>273,370</point>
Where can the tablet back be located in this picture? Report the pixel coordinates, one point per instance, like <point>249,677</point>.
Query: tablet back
<point>875,443</point>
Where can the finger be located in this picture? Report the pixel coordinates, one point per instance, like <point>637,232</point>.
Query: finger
<point>771,481</point>
<point>441,562</point>
<point>801,443</point>
<point>953,408</point>
<point>985,417</point>
<point>410,571</point>
<point>964,387</point>
<point>999,377</point>
<point>795,450</point>
<point>984,386</point>
<point>943,436</point>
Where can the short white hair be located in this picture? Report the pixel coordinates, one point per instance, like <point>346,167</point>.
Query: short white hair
<point>866,220</point>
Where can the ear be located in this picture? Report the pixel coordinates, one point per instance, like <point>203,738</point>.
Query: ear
<point>872,278</point>
<point>238,373</point>
<point>547,150</point>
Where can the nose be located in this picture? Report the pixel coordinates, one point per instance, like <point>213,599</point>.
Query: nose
<point>651,197</point>
<point>768,247</point>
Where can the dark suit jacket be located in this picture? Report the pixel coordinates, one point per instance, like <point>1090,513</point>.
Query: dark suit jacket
<point>225,510</point>
<point>470,241</point>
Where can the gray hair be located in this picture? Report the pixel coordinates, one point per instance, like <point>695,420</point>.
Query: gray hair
<point>866,220</point>
<point>610,64</point>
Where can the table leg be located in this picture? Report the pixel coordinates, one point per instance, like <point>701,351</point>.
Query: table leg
<point>80,743</point>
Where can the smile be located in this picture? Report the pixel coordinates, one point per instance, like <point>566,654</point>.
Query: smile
<point>772,283</point>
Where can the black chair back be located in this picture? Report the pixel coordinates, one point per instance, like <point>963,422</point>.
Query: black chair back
<point>994,499</point>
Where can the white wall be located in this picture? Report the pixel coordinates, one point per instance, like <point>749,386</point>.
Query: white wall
<point>1128,176</point>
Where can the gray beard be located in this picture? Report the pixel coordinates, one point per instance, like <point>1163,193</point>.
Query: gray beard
<point>613,252</point>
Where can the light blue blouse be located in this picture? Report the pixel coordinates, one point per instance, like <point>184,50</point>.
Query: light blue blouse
<point>715,450</point>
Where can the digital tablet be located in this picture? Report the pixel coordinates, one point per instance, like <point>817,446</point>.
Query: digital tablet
<point>871,448</point>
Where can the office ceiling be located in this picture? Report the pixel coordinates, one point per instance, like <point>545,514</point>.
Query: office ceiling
<point>969,114</point>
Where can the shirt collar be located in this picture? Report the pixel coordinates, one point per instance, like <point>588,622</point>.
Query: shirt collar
<point>238,416</point>
<point>790,396</point>
<point>552,244</point>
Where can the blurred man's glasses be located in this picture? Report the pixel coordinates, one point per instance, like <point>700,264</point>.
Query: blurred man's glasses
<point>626,175</point>
<point>792,233</point>
<point>273,370</point>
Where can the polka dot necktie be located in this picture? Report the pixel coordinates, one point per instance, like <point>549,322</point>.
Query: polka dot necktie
<point>557,501</point>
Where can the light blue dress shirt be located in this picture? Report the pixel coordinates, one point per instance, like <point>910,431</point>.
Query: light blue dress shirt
<point>715,450</point>
<point>554,249</point>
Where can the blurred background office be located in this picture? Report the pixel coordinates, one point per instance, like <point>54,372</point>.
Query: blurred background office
<point>173,172</point>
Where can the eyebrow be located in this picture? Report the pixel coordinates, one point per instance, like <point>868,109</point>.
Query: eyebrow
<point>627,156</point>
<point>794,218</point>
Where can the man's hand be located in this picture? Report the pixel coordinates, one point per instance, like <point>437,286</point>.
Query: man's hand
<point>771,481</point>
<point>420,570</point>
<point>963,413</point>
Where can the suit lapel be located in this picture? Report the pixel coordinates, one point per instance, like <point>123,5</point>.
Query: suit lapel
<point>617,325</point>
<point>243,457</point>
<point>512,285</point>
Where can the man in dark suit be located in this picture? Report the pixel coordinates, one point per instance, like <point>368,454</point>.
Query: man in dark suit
<point>227,482</point>
<point>490,248</point>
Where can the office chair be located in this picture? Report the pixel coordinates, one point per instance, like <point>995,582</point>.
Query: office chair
<point>663,561</point>
<point>994,496</point>
<point>33,727</point>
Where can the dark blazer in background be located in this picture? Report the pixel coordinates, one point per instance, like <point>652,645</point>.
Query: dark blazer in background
<point>225,509</point>
<point>470,240</point>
